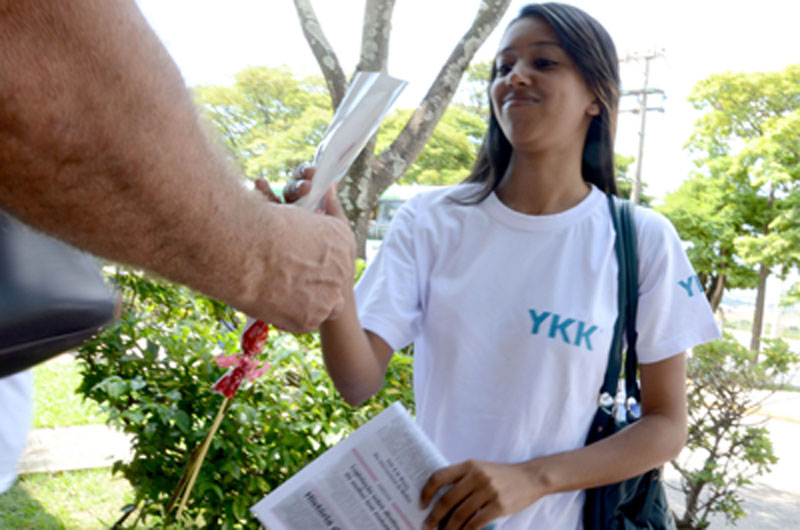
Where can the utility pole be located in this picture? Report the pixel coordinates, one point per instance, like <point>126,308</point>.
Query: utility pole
<point>642,109</point>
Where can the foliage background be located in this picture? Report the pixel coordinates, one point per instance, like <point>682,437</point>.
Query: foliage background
<point>153,371</point>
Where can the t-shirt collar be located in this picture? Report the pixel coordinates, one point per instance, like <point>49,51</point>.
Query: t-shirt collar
<point>502,213</point>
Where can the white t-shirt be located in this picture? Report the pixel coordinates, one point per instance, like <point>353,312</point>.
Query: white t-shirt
<point>512,316</point>
<point>16,413</point>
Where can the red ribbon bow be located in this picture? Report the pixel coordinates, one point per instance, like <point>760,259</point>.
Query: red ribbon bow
<point>243,365</point>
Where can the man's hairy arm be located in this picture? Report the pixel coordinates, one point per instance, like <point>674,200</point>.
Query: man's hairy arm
<point>100,144</point>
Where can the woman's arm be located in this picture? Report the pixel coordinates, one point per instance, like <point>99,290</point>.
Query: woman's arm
<point>486,491</point>
<point>356,359</point>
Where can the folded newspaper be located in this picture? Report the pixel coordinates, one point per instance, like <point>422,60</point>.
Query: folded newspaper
<point>371,480</point>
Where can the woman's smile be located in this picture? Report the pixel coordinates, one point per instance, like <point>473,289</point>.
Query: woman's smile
<point>515,99</point>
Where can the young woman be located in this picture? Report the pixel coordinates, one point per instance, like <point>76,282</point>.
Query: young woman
<point>507,286</point>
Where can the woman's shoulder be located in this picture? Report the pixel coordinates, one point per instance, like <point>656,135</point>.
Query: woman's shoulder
<point>652,224</point>
<point>656,237</point>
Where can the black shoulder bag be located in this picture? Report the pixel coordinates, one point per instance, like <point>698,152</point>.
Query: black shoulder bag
<point>638,502</point>
<point>52,297</point>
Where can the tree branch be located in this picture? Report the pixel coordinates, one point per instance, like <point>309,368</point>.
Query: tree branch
<point>394,161</point>
<point>375,36</point>
<point>322,50</point>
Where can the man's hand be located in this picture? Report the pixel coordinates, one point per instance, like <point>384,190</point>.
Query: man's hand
<point>314,263</point>
<point>319,255</point>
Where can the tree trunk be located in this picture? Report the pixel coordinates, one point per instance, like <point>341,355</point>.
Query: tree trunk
<point>322,50</point>
<point>355,196</point>
<point>758,314</point>
<point>761,293</point>
<point>371,174</point>
<point>716,291</point>
<point>692,498</point>
<point>722,322</point>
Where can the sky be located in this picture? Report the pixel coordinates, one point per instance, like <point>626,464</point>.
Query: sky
<point>211,40</point>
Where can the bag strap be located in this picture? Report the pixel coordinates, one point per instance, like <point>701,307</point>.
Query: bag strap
<point>622,217</point>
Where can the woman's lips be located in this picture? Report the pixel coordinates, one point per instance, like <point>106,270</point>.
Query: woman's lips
<point>518,101</point>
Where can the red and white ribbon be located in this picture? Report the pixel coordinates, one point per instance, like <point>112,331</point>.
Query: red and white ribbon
<point>243,365</point>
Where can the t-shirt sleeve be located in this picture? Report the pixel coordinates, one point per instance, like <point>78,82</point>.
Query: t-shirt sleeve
<point>388,293</point>
<point>673,313</point>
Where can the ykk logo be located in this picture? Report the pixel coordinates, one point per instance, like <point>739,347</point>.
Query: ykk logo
<point>559,327</point>
<point>689,284</point>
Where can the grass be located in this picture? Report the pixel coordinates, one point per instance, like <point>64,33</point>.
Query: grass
<point>56,404</point>
<point>71,500</point>
<point>77,500</point>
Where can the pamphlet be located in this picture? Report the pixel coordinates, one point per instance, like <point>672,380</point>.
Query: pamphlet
<point>371,480</point>
<point>357,118</point>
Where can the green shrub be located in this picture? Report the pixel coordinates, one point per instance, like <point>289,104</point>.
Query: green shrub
<point>153,372</point>
<point>727,446</point>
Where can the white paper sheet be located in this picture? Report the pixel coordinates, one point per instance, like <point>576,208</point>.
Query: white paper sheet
<point>370,480</point>
<point>362,110</point>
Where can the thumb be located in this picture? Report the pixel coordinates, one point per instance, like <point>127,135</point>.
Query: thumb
<point>332,205</point>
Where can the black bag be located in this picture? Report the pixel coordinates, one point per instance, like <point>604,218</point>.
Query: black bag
<point>638,502</point>
<point>52,297</point>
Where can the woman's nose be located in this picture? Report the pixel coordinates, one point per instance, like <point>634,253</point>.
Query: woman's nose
<point>519,76</point>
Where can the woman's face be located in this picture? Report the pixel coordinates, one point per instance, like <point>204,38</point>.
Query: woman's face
<point>538,95</point>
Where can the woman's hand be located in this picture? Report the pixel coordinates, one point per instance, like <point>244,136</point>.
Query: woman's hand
<point>481,492</point>
<point>294,189</point>
<point>299,186</point>
<point>263,186</point>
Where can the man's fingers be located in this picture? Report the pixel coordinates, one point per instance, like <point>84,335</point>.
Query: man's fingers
<point>338,306</point>
<point>332,205</point>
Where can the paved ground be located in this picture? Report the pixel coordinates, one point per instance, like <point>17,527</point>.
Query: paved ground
<point>67,448</point>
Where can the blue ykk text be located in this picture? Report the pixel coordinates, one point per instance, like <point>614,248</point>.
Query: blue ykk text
<point>559,328</point>
<point>689,283</point>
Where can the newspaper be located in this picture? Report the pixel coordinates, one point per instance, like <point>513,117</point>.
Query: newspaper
<point>371,480</point>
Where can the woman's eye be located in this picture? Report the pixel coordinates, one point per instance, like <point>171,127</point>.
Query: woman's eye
<point>503,69</point>
<point>543,63</point>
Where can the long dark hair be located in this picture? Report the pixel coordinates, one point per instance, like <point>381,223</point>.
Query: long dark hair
<point>590,46</point>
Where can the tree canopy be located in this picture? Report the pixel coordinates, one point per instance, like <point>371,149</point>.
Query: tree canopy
<point>740,208</point>
<point>270,119</point>
<point>449,153</point>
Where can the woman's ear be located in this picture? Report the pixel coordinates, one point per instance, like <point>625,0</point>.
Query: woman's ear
<point>593,109</point>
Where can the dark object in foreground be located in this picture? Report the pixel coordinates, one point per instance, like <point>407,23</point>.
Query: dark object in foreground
<point>52,297</point>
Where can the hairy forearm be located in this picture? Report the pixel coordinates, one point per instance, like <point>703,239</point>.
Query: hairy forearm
<point>100,144</point>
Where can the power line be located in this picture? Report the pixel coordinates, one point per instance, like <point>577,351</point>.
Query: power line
<point>642,109</point>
